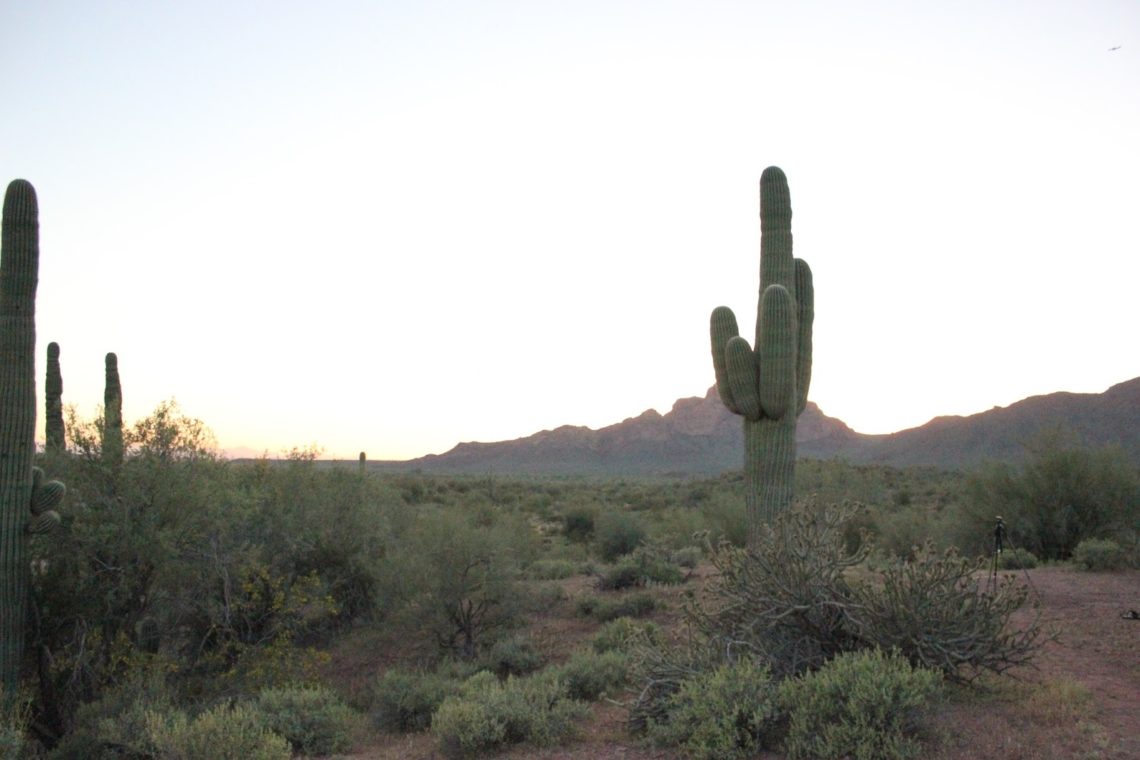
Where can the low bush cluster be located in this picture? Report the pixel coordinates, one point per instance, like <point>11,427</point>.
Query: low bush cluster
<point>605,610</point>
<point>623,633</point>
<point>1100,554</point>
<point>726,713</point>
<point>860,705</point>
<point>312,719</point>
<point>488,714</point>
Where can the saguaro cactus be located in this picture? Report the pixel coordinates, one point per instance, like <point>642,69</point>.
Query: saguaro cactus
<point>112,415</point>
<point>53,402</point>
<point>767,383</point>
<point>25,501</point>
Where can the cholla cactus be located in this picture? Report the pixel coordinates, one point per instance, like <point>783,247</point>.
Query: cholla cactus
<point>53,402</point>
<point>767,383</point>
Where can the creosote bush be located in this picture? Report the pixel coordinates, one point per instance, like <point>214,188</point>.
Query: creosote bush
<point>488,714</point>
<point>618,533</point>
<point>224,732</point>
<point>726,713</point>
<point>312,719</point>
<point>1100,554</point>
<point>859,705</point>
<point>590,675</point>
<point>405,700</point>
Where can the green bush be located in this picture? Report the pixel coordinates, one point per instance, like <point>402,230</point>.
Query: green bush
<point>552,569</point>
<point>621,633</point>
<point>1016,559</point>
<point>647,565</point>
<point>225,732</point>
<point>687,556</point>
<point>860,705</point>
<point>590,675</point>
<point>404,700</point>
<point>617,534</point>
<point>487,715</point>
<point>1100,554</point>
<point>724,714</point>
<point>578,524</point>
<point>605,610</point>
<point>311,718</point>
<point>512,656</point>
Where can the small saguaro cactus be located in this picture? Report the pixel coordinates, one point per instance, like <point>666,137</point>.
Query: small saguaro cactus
<point>25,501</point>
<point>53,402</point>
<point>767,383</point>
<point>112,415</point>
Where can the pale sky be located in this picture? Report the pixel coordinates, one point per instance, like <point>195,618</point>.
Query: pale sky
<point>394,226</point>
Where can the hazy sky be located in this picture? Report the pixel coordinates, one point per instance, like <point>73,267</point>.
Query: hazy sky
<point>395,226</point>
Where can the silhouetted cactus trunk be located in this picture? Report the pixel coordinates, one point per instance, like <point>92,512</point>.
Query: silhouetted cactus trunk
<point>53,402</point>
<point>768,384</point>
<point>19,262</point>
<point>112,416</point>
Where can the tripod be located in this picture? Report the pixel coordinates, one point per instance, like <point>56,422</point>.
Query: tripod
<point>1001,539</point>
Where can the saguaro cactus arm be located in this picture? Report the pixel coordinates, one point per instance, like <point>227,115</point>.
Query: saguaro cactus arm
<point>45,498</point>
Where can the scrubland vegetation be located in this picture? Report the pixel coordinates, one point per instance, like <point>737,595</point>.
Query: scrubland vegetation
<point>190,607</point>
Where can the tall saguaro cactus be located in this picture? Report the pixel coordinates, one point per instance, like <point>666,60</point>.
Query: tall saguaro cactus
<point>112,415</point>
<point>21,506</point>
<point>767,383</point>
<point>53,402</point>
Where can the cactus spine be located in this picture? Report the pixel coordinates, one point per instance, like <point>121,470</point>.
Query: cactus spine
<point>53,393</point>
<point>112,415</point>
<point>19,263</point>
<point>767,383</point>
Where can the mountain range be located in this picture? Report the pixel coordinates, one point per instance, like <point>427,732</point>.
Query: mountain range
<point>698,436</point>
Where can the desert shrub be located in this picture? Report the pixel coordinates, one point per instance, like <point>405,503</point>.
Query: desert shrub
<point>115,724</point>
<point>311,718</point>
<point>687,556</point>
<point>727,518</point>
<point>1016,559</point>
<point>224,732</point>
<point>617,533</point>
<point>940,613</point>
<point>1100,554</point>
<point>1062,494</point>
<point>13,719</point>
<point>512,656</point>
<point>578,524</point>
<point>404,701</point>
<point>621,633</point>
<point>860,705</point>
<point>552,569</point>
<point>605,610</point>
<point>786,599</point>
<point>647,565</point>
<point>726,713</point>
<point>590,675</point>
<point>461,579</point>
<point>487,715</point>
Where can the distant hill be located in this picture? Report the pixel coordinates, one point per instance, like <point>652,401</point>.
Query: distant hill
<point>698,436</point>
